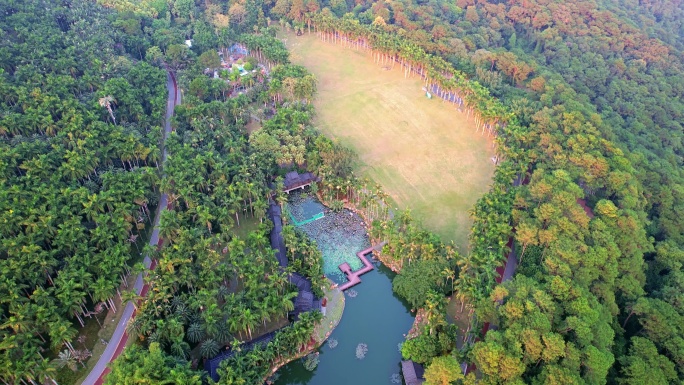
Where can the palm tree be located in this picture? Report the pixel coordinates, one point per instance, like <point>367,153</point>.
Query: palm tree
<point>103,290</point>
<point>66,358</point>
<point>286,304</point>
<point>180,349</point>
<point>62,333</point>
<point>449,273</point>
<point>195,332</point>
<point>135,326</point>
<point>106,102</point>
<point>264,310</point>
<point>209,348</point>
<point>222,332</point>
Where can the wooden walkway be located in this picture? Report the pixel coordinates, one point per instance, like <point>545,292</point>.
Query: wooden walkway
<point>354,276</point>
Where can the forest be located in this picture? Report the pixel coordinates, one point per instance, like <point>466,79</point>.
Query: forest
<point>583,98</point>
<point>80,126</point>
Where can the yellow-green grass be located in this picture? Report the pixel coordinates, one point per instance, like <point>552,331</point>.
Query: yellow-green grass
<point>333,314</point>
<point>424,153</point>
<point>248,224</point>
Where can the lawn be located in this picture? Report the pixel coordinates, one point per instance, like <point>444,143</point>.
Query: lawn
<point>426,155</point>
<point>247,225</point>
<point>333,314</point>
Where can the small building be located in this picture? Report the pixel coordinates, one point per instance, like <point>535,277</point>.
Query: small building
<point>277,242</point>
<point>412,372</point>
<point>293,180</point>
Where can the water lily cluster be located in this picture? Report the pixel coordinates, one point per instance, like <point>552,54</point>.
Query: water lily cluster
<point>361,350</point>
<point>339,235</point>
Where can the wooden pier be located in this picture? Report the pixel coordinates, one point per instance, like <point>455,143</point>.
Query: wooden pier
<point>353,277</point>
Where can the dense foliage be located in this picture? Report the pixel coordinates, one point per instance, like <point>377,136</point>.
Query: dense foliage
<point>216,283</point>
<point>79,130</point>
<point>583,116</point>
<point>584,99</point>
<point>79,170</point>
<point>255,365</point>
<point>212,287</point>
<point>151,366</point>
<point>305,257</point>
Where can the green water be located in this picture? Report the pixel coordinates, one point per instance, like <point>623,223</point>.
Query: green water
<point>375,317</point>
<point>339,235</point>
<point>303,207</point>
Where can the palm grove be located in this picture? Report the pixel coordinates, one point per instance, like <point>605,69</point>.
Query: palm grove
<point>82,178</point>
<point>79,124</point>
<point>595,300</point>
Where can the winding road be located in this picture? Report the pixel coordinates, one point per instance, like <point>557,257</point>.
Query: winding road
<point>118,341</point>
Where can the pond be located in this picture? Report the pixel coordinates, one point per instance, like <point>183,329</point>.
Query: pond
<point>373,315</point>
<point>339,235</point>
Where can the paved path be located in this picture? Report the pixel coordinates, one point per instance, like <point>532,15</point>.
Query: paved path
<point>118,341</point>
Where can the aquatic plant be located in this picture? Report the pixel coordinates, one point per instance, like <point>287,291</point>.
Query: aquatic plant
<point>332,343</point>
<point>361,350</point>
<point>302,206</point>
<point>351,293</point>
<point>395,378</point>
<point>339,235</point>
<point>399,345</point>
<point>311,361</point>
<point>337,206</point>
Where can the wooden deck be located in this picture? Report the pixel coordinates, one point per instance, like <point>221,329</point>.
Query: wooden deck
<point>353,277</point>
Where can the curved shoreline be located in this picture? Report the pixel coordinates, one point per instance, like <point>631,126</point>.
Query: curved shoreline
<point>317,336</point>
<point>376,244</point>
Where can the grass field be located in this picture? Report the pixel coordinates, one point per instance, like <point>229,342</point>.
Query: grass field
<point>423,152</point>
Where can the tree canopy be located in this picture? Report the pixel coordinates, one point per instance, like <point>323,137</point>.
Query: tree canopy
<point>80,123</point>
<point>583,100</point>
